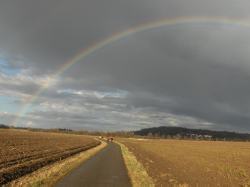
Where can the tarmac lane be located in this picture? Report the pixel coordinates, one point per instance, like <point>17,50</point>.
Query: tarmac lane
<point>105,169</point>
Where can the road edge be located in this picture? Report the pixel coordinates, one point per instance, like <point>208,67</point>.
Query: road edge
<point>136,171</point>
<point>49,175</point>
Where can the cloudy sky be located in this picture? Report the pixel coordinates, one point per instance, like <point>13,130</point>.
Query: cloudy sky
<point>194,74</point>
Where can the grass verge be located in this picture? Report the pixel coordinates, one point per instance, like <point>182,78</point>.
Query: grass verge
<point>48,175</point>
<point>138,175</point>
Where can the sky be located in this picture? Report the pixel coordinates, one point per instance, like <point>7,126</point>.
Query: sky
<point>195,74</point>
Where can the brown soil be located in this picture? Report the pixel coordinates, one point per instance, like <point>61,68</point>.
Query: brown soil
<point>23,152</point>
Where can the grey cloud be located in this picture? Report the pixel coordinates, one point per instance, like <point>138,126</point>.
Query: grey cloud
<point>196,72</point>
<point>200,71</point>
<point>51,32</point>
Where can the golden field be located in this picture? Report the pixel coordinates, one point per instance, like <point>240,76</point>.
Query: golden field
<point>193,163</point>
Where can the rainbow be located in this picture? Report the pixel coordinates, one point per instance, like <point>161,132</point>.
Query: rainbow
<point>120,35</point>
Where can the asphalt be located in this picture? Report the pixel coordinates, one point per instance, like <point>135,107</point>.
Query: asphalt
<point>105,169</point>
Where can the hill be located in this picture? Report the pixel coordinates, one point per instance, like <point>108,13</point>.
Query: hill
<point>2,126</point>
<point>191,133</point>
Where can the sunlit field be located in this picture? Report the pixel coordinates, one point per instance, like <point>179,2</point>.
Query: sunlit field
<point>193,163</point>
<point>23,152</point>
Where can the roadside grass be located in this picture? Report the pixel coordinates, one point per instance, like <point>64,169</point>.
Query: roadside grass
<point>49,175</point>
<point>136,171</point>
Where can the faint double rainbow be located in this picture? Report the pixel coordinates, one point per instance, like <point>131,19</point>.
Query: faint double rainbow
<point>80,56</point>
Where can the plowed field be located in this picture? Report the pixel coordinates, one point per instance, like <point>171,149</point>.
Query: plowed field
<point>22,152</point>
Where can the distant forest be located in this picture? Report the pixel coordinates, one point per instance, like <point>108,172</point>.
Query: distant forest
<point>154,132</point>
<point>2,126</point>
<point>180,132</point>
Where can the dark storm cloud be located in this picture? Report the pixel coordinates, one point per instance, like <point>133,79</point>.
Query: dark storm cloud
<point>199,71</point>
<point>188,70</point>
<point>50,32</point>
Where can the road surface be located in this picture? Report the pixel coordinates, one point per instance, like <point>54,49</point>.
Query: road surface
<point>105,169</point>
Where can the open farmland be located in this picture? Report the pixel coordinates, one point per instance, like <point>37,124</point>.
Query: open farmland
<point>22,152</point>
<point>193,163</point>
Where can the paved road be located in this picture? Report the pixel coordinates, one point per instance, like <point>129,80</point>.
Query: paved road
<point>105,169</point>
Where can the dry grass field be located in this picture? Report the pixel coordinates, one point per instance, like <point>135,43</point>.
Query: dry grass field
<point>193,163</point>
<point>22,152</point>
